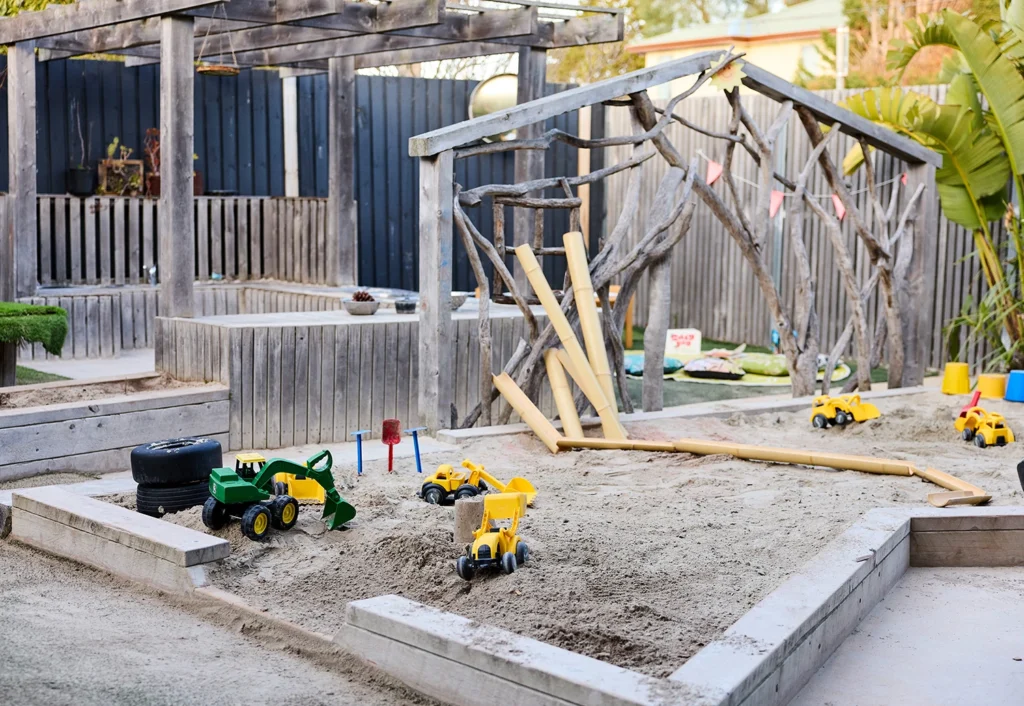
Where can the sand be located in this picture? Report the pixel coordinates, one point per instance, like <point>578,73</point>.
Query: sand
<point>48,479</point>
<point>78,391</point>
<point>638,559</point>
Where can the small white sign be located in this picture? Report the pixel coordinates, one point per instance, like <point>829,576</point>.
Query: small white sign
<point>682,342</point>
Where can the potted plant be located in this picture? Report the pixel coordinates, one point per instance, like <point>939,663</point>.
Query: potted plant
<point>197,178</point>
<point>78,180</point>
<point>120,175</point>
<point>151,151</point>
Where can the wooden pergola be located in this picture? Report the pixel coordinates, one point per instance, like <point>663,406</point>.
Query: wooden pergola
<point>336,36</point>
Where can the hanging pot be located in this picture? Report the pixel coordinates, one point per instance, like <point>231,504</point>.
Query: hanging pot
<point>79,181</point>
<point>217,70</point>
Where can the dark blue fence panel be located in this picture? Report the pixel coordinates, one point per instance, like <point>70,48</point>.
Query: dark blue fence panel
<point>390,110</point>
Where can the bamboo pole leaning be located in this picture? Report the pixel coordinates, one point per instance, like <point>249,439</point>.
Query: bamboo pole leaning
<point>590,321</point>
<point>960,492</point>
<point>563,395</point>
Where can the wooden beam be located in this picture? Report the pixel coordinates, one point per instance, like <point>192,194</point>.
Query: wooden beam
<point>139,33</point>
<point>95,14</point>
<point>577,31</point>
<point>433,53</point>
<point>176,255</point>
<point>779,89</point>
<point>435,335</point>
<point>342,231</point>
<point>364,17</point>
<point>21,164</point>
<point>529,164</point>
<point>451,136</point>
<point>919,293</point>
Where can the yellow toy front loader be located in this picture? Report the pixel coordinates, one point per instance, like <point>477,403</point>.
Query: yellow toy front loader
<point>447,482</point>
<point>496,544</point>
<point>841,410</point>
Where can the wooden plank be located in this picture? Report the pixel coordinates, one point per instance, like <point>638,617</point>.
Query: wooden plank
<point>45,241</point>
<point>121,247</point>
<point>271,237</point>
<point>217,236</point>
<point>967,548</point>
<point>341,382</point>
<point>404,372</point>
<point>390,358</point>
<point>435,329</point>
<point>177,211</point>
<point>92,328</point>
<point>326,396</point>
<point>248,367</point>
<point>274,385</point>
<point>203,237</point>
<point>133,269</point>
<point>230,240</point>
<point>75,244</point>
<point>106,254</point>
<point>255,208</point>
<point>342,236</point>
<point>314,387</point>
<point>288,375</point>
<point>366,377</point>
<point>148,239</point>
<point>242,237</point>
<point>106,326</point>
<point>301,388</point>
<point>60,241</point>
<point>235,372</point>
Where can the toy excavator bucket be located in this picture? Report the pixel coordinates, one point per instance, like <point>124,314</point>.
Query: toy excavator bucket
<point>337,511</point>
<point>504,506</point>
<point>862,411</point>
<point>521,485</point>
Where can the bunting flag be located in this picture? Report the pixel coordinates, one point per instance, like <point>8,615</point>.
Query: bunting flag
<point>837,204</point>
<point>776,203</point>
<point>714,171</point>
<point>903,178</point>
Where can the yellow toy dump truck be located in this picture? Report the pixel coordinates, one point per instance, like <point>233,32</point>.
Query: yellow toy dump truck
<point>983,427</point>
<point>448,482</point>
<point>840,411</point>
<point>496,542</point>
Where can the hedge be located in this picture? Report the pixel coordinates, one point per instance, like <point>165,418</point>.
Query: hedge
<point>28,323</point>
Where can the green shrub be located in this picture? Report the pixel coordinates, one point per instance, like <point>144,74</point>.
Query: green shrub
<point>27,323</point>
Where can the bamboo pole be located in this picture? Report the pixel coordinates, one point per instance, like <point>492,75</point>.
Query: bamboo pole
<point>590,322</point>
<point>563,395</point>
<point>528,411</point>
<point>587,380</point>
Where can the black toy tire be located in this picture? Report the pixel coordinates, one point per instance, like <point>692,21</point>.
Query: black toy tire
<point>842,419</point>
<point>159,500</point>
<point>522,553</point>
<point>252,526</point>
<point>175,462</point>
<point>979,441</point>
<point>464,568</point>
<point>1002,441</point>
<point>280,488</point>
<point>215,513</point>
<point>967,434</point>
<point>508,562</point>
<point>432,493</point>
<point>278,511</point>
<point>466,491</point>
<point>820,421</point>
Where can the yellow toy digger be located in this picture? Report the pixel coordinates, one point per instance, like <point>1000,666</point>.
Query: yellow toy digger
<point>983,427</point>
<point>495,545</point>
<point>448,482</point>
<point>841,410</point>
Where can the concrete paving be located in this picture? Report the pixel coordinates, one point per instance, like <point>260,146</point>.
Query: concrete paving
<point>74,636</point>
<point>140,360</point>
<point>941,637</point>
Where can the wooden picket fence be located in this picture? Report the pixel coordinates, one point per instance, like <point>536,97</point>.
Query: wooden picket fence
<point>114,240</point>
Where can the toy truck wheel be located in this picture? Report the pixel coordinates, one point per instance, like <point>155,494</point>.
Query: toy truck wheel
<point>842,419</point>
<point>466,491</point>
<point>967,434</point>
<point>432,493</point>
<point>464,568</point>
<point>1002,441</point>
<point>979,441</point>
<point>215,513</point>
<point>508,562</point>
<point>284,512</point>
<point>256,522</point>
<point>820,421</point>
<point>280,488</point>
<point>522,553</point>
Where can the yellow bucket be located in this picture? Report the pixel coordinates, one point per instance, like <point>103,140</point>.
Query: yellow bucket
<point>956,379</point>
<point>992,387</point>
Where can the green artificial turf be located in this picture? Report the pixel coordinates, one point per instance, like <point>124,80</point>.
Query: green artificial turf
<point>28,376</point>
<point>28,323</point>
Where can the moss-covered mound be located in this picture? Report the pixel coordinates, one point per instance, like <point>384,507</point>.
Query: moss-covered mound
<point>27,323</point>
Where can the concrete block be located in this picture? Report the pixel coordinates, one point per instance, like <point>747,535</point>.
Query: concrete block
<point>448,656</point>
<point>177,545</point>
<point>5,521</point>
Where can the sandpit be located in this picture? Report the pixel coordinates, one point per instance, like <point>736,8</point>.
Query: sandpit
<point>638,558</point>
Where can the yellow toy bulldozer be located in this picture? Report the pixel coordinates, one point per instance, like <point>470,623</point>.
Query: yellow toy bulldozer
<point>496,544</point>
<point>840,411</point>
<point>448,482</point>
<point>984,428</point>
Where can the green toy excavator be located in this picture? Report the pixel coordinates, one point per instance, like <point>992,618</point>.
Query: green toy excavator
<point>252,499</point>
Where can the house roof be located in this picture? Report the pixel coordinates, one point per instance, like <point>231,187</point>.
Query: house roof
<point>805,19</point>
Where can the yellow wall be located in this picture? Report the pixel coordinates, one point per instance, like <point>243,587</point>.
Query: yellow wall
<point>780,57</point>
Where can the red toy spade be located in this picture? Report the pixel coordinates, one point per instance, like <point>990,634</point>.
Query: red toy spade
<point>391,435</point>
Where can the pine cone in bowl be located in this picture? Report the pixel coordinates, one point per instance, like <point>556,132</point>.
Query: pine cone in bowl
<point>363,296</point>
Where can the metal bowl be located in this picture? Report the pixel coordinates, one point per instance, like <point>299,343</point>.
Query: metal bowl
<point>360,308</point>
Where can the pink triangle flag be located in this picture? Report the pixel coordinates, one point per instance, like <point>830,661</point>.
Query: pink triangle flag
<point>776,202</point>
<point>837,204</point>
<point>714,171</point>
<point>903,178</point>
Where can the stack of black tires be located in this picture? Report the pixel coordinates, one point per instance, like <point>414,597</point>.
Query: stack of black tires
<point>174,475</point>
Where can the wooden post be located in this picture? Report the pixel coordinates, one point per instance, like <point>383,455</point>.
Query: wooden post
<point>21,276</point>
<point>469,513</point>
<point>8,364</point>
<point>176,257</point>
<point>529,164</point>
<point>918,295</point>
<point>290,119</point>
<point>342,234</point>
<point>435,345</point>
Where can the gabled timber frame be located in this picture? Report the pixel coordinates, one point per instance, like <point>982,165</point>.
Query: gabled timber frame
<point>333,36</point>
<point>440,212</point>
